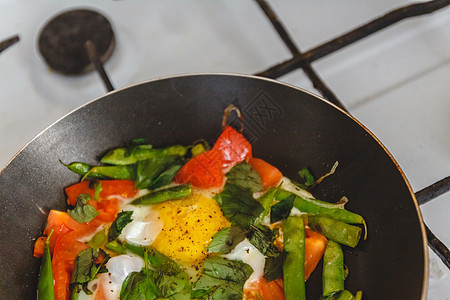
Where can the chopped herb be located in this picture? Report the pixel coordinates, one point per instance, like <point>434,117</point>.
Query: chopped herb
<point>83,212</point>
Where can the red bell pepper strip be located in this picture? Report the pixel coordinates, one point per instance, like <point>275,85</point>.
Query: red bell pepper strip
<point>233,147</point>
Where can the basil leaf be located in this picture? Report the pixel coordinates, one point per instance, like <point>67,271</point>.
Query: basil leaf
<point>166,176</point>
<point>273,267</point>
<point>230,270</point>
<point>244,176</point>
<point>138,285</point>
<point>226,239</point>
<point>86,269</point>
<point>148,170</point>
<point>83,212</point>
<point>208,287</point>
<point>262,238</point>
<point>282,209</point>
<point>169,285</point>
<point>122,220</point>
<point>238,205</point>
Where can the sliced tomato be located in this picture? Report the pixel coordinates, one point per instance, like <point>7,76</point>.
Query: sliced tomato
<point>271,290</point>
<point>270,176</point>
<point>203,170</point>
<point>67,248</point>
<point>315,245</point>
<point>233,147</point>
<point>262,289</point>
<point>109,188</point>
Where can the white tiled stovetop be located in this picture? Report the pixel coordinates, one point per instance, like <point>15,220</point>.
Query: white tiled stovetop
<point>395,82</point>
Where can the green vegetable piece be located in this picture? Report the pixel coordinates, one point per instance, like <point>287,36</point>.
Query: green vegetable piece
<point>149,170</point>
<point>343,295</point>
<point>334,230</point>
<point>282,209</point>
<point>333,269</point>
<point>273,267</point>
<point>119,156</point>
<point>238,205</point>
<point>322,208</point>
<point>172,193</point>
<point>116,246</point>
<point>198,149</point>
<point>85,270</point>
<point>245,177</point>
<point>225,269</point>
<point>81,168</point>
<point>45,289</point>
<point>155,258</point>
<point>211,288</point>
<point>226,239</point>
<point>138,285</point>
<point>98,239</point>
<point>97,189</point>
<point>113,172</point>
<point>83,212</point>
<point>266,201</point>
<point>171,285</point>
<point>294,263</point>
<point>262,238</point>
<point>310,182</point>
<point>123,219</point>
<point>165,177</point>
<point>142,153</point>
<point>358,295</point>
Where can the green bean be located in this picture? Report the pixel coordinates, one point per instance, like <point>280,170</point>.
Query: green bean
<point>81,168</point>
<point>45,289</point>
<point>115,246</point>
<point>358,295</point>
<point>172,193</point>
<point>322,208</point>
<point>333,269</point>
<point>114,172</point>
<point>294,264</point>
<point>334,230</point>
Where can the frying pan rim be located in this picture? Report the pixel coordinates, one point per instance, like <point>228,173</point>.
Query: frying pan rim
<point>253,77</point>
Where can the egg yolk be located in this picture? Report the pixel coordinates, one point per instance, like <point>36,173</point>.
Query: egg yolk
<point>189,225</point>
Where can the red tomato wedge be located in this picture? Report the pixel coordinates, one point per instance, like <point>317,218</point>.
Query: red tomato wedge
<point>270,176</point>
<point>233,147</point>
<point>203,170</point>
<point>315,245</point>
<point>264,290</point>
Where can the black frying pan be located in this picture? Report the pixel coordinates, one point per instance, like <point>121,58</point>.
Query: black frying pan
<point>287,126</point>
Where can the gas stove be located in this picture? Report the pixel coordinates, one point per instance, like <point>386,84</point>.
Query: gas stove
<point>394,81</point>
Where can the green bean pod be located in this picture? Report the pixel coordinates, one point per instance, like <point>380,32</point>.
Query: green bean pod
<point>172,193</point>
<point>334,230</point>
<point>322,208</point>
<point>333,269</point>
<point>45,290</point>
<point>294,264</point>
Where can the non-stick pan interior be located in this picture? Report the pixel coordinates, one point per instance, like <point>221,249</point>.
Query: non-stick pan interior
<point>287,127</point>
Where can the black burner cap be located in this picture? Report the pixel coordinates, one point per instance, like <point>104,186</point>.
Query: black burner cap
<point>62,41</point>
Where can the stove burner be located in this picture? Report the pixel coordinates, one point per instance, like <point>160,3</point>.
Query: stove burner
<point>62,41</point>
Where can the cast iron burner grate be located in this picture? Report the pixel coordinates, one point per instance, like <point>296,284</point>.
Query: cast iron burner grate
<point>97,54</point>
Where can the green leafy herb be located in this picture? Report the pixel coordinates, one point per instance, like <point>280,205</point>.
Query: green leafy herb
<point>226,239</point>
<point>262,238</point>
<point>225,269</point>
<point>238,205</point>
<point>86,269</point>
<point>244,176</point>
<point>166,176</point>
<point>83,212</point>
<point>282,209</point>
<point>222,279</point>
<point>122,219</point>
<point>139,285</point>
<point>148,170</point>
<point>273,267</point>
